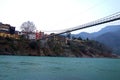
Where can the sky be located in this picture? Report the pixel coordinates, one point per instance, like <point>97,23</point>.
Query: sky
<point>51,15</point>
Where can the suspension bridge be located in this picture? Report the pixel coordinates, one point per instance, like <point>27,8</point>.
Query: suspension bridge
<point>107,19</point>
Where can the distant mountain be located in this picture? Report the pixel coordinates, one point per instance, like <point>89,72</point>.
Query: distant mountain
<point>84,35</point>
<point>111,39</point>
<point>110,36</point>
<point>111,28</point>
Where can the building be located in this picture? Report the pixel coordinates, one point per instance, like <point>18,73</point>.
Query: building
<point>39,35</point>
<point>7,30</point>
<point>32,36</point>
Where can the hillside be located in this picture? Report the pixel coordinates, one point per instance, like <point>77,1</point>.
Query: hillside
<point>111,39</point>
<point>110,36</point>
<point>54,47</point>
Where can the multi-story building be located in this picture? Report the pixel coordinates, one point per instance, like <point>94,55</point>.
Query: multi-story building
<point>7,30</point>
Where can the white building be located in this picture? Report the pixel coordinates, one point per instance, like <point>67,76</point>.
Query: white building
<point>32,36</point>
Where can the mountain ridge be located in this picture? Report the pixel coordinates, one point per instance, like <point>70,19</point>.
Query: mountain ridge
<point>106,29</point>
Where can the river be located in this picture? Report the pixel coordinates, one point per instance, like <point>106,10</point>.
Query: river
<point>58,68</point>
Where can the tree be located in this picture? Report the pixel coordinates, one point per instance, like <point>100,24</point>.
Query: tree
<point>28,27</point>
<point>79,38</point>
<point>69,35</point>
<point>87,39</point>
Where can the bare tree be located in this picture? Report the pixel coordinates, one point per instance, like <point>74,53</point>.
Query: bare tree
<point>28,27</point>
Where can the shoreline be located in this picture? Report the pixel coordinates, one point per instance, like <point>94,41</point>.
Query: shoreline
<point>114,57</point>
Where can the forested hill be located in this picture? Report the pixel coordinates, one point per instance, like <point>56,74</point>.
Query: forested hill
<point>54,47</point>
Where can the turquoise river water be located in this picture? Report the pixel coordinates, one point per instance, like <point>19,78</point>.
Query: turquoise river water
<point>58,68</point>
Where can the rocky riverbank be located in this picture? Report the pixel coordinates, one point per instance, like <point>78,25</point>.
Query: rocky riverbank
<point>54,47</point>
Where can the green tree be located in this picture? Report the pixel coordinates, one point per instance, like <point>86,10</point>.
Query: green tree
<point>79,38</point>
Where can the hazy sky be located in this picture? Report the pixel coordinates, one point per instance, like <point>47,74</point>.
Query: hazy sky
<point>51,15</point>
